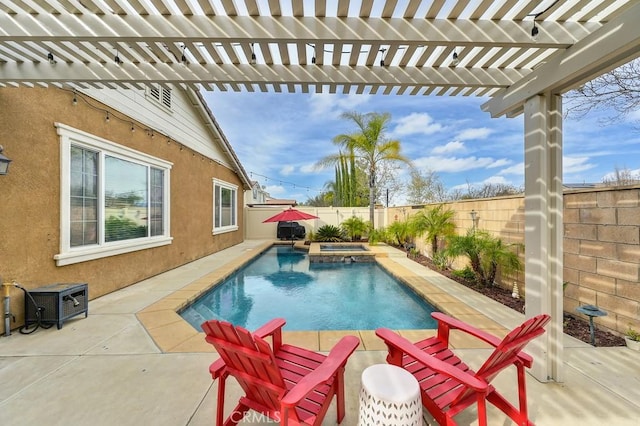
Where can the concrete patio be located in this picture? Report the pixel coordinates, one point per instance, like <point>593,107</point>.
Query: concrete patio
<point>131,363</point>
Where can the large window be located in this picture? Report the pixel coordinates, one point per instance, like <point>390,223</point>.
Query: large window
<point>224,207</point>
<point>114,199</point>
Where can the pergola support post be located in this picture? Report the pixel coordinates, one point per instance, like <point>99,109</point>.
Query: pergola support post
<point>544,229</point>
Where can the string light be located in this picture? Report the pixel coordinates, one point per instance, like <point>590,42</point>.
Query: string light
<point>282,182</point>
<point>184,58</point>
<point>383,50</point>
<point>455,61</point>
<point>108,115</point>
<point>535,31</point>
<point>150,132</point>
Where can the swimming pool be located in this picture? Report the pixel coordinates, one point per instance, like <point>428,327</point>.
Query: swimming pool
<point>282,282</point>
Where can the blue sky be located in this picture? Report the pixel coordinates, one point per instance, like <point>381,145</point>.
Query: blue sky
<point>279,137</point>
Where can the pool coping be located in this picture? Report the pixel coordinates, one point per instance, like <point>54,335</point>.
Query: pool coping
<point>171,333</point>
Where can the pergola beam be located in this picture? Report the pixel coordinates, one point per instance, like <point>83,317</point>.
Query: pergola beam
<point>257,74</point>
<point>616,43</point>
<point>285,29</point>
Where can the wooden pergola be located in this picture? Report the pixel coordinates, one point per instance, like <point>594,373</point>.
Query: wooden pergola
<point>520,54</point>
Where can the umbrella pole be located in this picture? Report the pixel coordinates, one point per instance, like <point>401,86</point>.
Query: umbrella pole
<point>291,233</point>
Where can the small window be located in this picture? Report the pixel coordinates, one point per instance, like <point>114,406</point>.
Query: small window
<point>224,207</point>
<point>114,199</point>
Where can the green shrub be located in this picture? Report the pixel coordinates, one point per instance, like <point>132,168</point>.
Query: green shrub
<point>330,233</point>
<point>376,235</point>
<point>311,236</point>
<point>413,253</point>
<point>354,227</point>
<point>399,233</point>
<point>632,334</point>
<point>466,274</point>
<point>441,260</point>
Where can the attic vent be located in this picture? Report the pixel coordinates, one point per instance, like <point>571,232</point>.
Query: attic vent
<point>166,98</point>
<point>161,94</point>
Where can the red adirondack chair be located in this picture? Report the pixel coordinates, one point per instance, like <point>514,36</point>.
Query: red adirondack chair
<point>285,383</point>
<point>448,385</point>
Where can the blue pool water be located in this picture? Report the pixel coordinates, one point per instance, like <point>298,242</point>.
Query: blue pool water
<point>311,296</point>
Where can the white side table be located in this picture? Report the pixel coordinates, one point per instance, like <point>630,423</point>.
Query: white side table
<point>389,395</point>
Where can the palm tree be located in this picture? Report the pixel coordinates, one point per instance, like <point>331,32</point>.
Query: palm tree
<point>400,232</point>
<point>434,223</point>
<point>369,146</point>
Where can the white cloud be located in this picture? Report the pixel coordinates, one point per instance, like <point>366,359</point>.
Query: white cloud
<point>275,190</point>
<point>474,133</point>
<point>287,170</point>
<point>576,164</point>
<point>516,169</point>
<point>309,168</point>
<point>496,180</point>
<point>491,180</point>
<point>325,103</point>
<point>416,123</point>
<point>454,146</point>
<point>458,164</point>
<point>499,163</point>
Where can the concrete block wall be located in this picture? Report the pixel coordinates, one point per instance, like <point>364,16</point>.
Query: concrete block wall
<point>602,254</point>
<point>601,247</point>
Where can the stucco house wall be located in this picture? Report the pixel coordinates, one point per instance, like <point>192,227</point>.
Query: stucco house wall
<point>30,211</point>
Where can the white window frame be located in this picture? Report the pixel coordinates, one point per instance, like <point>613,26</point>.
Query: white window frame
<point>69,255</point>
<point>229,228</point>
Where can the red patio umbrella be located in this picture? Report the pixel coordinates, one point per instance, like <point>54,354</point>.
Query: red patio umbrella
<point>290,215</point>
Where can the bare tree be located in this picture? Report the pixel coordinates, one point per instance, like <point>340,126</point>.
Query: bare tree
<point>487,190</point>
<point>425,187</point>
<point>390,187</point>
<point>621,177</point>
<point>617,91</point>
